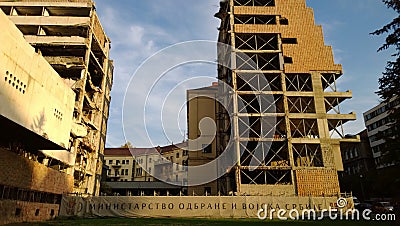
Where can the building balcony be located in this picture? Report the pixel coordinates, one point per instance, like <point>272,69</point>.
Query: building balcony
<point>51,20</point>
<point>114,176</point>
<point>116,165</point>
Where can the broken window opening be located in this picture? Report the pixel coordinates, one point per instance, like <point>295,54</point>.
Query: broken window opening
<point>257,61</point>
<point>254,2</point>
<point>273,177</point>
<point>299,82</point>
<point>304,128</point>
<point>301,105</point>
<point>255,19</point>
<point>289,40</point>
<point>283,21</point>
<point>244,41</point>
<point>287,60</point>
<point>307,155</point>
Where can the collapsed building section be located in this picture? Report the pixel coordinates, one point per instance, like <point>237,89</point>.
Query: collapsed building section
<point>68,34</point>
<point>285,119</point>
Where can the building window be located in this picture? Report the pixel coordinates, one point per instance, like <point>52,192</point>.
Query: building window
<point>287,60</point>
<point>207,148</point>
<point>122,172</point>
<point>289,40</point>
<point>284,21</point>
<point>118,162</point>
<point>139,172</point>
<point>126,172</point>
<point>110,162</point>
<point>127,162</point>
<point>123,162</point>
<point>355,153</point>
<point>177,155</point>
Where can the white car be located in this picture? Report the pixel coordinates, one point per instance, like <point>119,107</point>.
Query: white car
<point>356,201</point>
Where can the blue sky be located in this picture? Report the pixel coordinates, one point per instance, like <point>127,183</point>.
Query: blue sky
<point>138,29</point>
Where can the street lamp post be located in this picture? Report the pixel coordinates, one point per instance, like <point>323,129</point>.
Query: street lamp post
<point>362,187</point>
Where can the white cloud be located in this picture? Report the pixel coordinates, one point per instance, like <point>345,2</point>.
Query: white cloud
<point>132,43</point>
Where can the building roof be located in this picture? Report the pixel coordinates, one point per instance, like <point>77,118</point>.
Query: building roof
<point>117,152</point>
<point>173,147</point>
<point>214,87</point>
<point>129,151</point>
<point>120,152</point>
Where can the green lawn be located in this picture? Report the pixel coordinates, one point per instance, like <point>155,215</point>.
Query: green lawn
<point>205,222</point>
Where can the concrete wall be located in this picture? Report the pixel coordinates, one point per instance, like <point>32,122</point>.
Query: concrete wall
<point>201,189</point>
<point>32,94</point>
<point>201,104</point>
<point>21,172</point>
<point>268,189</point>
<point>29,212</point>
<point>192,206</point>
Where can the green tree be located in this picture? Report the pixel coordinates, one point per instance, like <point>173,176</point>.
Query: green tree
<point>389,83</point>
<point>127,145</point>
<point>105,189</point>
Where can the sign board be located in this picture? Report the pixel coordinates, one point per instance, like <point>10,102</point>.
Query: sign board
<point>191,206</point>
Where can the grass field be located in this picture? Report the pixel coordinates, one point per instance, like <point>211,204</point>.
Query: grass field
<point>205,222</point>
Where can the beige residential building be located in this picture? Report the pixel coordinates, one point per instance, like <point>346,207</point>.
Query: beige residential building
<point>120,163</point>
<point>69,35</point>
<point>146,159</point>
<point>177,156</point>
<point>147,164</point>
<point>139,171</point>
<point>201,104</point>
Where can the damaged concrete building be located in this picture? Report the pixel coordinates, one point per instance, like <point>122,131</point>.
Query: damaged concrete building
<point>68,34</point>
<point>34,110</point>
<point>284,119</point>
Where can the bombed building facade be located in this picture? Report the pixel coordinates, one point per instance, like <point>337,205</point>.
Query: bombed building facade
<point>283,118</point>
<point>55,97</point>
<point>68,34</point>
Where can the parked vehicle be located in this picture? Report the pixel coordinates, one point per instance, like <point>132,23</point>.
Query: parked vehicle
<point>382,207</point>
<point>363,206</point>
<point>387,205</point>
<point>356,201</point>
